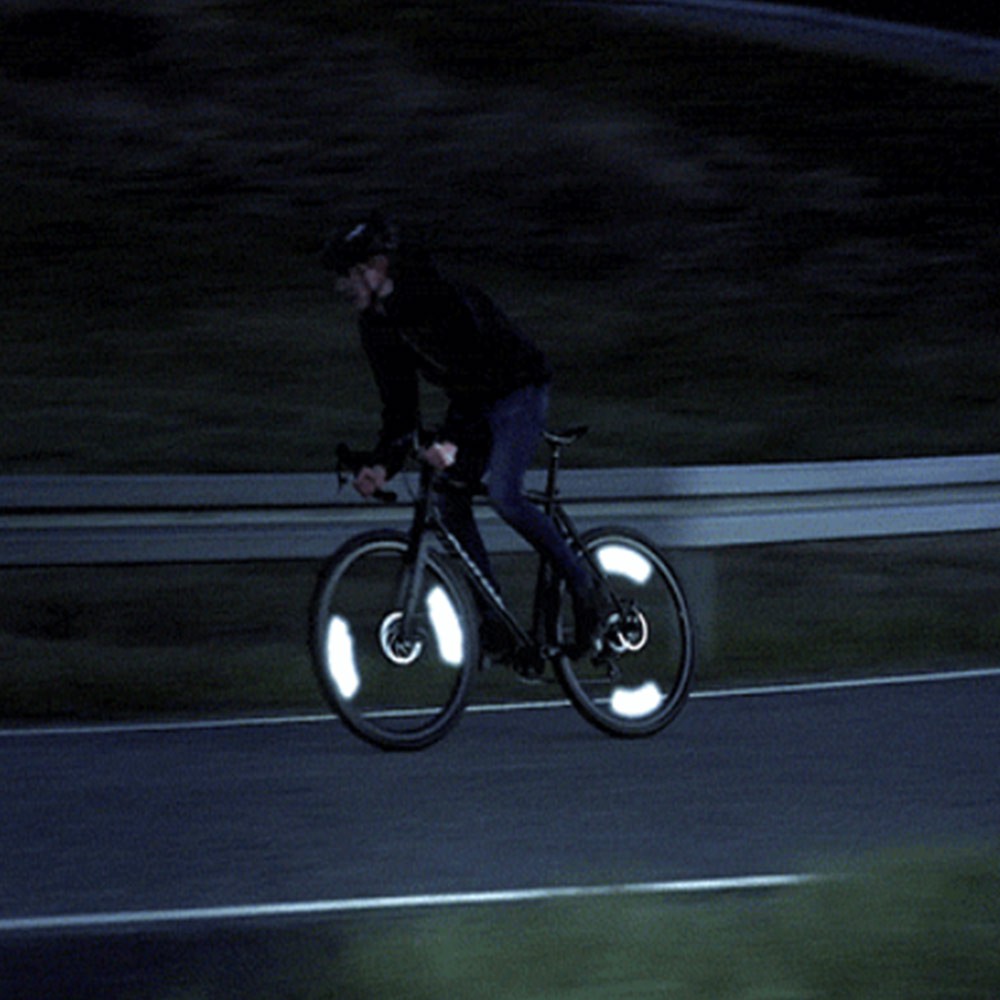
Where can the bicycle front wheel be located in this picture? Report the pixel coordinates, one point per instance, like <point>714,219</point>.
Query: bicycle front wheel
<point>641,680</point>
<point>398,680</point>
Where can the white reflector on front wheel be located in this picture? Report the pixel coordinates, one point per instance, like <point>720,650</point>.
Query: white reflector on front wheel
<point>620,560</point>
<point>635,703</point>
<point>340,662</point>
<point>447,627</point>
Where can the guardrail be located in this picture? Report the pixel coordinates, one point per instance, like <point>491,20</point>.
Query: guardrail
<point>104,520</point>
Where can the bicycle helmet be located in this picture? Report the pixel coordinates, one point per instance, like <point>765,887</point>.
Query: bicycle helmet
<point>360,242</point>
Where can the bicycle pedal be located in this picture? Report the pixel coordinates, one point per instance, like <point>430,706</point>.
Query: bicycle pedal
<point>528,675</point>
<point>528,666</point>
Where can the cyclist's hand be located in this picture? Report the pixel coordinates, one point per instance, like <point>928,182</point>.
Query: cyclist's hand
<point>441,454</point>
<point>370,480</point>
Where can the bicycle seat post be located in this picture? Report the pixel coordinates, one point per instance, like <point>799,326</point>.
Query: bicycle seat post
<point>551,490</point>
<point>557,440</point>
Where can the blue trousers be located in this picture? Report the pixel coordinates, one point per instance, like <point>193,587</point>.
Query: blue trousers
<point>499,447</point>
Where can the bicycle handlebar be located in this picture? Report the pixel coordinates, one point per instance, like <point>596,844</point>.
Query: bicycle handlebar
<point>353,461</point>
<point>350,460</point>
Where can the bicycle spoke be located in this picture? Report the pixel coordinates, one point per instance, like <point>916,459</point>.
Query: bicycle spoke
<point>398,681</point>
<point>640,681</point>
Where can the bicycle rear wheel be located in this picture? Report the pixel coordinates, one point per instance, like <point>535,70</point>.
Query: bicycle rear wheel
<point>399,685</point>
<point>641,681</point>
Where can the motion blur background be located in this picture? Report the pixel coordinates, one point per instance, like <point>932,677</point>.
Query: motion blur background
<point>734,251</point>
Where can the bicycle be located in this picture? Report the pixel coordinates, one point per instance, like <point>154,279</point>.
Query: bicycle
<point>395,620</point>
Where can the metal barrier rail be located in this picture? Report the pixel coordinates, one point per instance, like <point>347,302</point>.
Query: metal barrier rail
<point>95,520</point>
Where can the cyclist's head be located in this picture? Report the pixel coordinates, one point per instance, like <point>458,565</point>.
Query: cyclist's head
<point>359,242</point>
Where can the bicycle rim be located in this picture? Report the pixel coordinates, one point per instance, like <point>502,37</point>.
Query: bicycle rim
<point>398,684</point>
<point>641,681</point>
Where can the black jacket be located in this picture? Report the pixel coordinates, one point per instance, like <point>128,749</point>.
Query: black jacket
<point>452,335</point>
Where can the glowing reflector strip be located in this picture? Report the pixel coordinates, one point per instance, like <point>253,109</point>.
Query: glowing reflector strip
<point>340,661</point>
<point>447,627</point>
<point>634,703</point>
<point>619,560</point>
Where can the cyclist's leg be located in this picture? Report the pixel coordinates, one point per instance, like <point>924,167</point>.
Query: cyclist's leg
<point>455,507</point>
<point>517,422</point>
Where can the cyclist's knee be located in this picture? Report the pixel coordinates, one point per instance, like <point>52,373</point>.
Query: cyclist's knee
<point>511,505</point>
<point>507,501</point>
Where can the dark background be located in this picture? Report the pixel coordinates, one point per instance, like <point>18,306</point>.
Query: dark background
<point>978,17</point>
<point>733,251</point>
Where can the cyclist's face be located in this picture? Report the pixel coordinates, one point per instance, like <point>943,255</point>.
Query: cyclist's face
<point>366,282</point>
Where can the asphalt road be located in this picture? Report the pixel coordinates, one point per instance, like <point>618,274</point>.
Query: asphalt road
<point>103,831</point>
<point>123,821</point>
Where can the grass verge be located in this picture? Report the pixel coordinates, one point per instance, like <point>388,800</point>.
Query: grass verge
<point>914,926</point>
<point>911,924</point>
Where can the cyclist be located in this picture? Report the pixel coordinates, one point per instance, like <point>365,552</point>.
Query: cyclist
<point>416,322</point>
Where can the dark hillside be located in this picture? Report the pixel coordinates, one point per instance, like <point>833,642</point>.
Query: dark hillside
<point>974,17</point>
<point>733,251</point>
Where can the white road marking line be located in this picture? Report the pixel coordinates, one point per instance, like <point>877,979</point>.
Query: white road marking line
<point>890,680</point>
<point>369,904</point>
<point>806,687</point>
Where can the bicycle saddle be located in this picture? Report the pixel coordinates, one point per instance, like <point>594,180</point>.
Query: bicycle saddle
<point>566,435</point>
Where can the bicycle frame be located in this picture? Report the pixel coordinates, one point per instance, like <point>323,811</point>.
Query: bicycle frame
<point>427,521</point>
<point>384,603</point>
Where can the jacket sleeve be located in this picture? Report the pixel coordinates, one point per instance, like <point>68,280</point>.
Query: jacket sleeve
<point>394,368</point>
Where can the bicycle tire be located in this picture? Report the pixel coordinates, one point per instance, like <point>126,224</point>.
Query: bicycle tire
<point>642,680</point>
<point>393,693</point>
